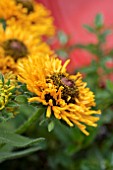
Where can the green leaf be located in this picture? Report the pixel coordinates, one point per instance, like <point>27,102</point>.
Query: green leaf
<point>5,115</point>
<point>51,126</point>
<point>102,36</point>
<point>12,104</point>
<point>2,119</point>
<point>104,62</point>
<point>107,32</point>
<point>63,38</point>
<point>8,82</point>
<point>18,154</point>
<point>32,119</point>
<point>2,78</point>
<point>99,21</point>
<point>91,69</point>
<point>21,99</point>
<point>71,149</point>
<point>109,86</point>
<point>89,28</point>
<point>92,48</point>
<point>3,22</point>
<point>62,53</point>
<point>16,140</point>
<point>42,122</point>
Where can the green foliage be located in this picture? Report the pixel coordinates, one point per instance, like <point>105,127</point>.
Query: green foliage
<point>63,47</point>
<point>10,138</point>
<point>109,86</point>
<point>63,38</point>
<point>16,140</point>
<point>18,154</point>
<point>3,22</point>
<point>89,28</point>
<point>50,126</point>
<point>30,120</point>
<point>99,21</point>
<point>21,99</point>
<point>10,141</point>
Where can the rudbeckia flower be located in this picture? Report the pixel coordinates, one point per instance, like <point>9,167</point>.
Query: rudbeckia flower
<point>66,96</point>
<point>10,12</point>
<point>38,17</point>
<point>27,13</point>
<point>16,43</point>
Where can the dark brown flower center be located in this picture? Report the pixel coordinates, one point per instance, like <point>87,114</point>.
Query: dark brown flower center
<point>67,82</point>
<point>70,91</point>
<point>26,4</point>
<point>15,49</point>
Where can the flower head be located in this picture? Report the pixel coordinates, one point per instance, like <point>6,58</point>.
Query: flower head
<point>27,13</point>
<point>66,96</point>
<point>16,43</point>
<point>11,12</point>
<point>38,17</point>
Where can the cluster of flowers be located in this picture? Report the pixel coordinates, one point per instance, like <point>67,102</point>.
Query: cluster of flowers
<point>26,23</point>
<point>24,26</point>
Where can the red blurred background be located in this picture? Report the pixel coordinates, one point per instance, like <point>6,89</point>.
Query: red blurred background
<point>70,15</point>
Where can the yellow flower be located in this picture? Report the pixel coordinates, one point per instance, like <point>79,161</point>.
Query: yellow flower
<point>10,12</point>
<point>7,64</point>
<point>38,17</point>
<point>16,43</point>
<point>5,90</point>
<point>12,77</point>
<point>27,13</point>
<point>66,96</point>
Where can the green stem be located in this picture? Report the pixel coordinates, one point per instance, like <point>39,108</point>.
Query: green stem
<point>30,121</point>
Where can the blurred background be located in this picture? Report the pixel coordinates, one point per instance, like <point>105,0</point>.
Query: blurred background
<point>70,16</point>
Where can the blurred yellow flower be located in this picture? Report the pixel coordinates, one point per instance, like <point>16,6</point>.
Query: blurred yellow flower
<point>11,12</point>
<point>7,64</point>
<point>39,18</point>
<point>16,43</point>
<point>66,96</point>
<point>27,13</point>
